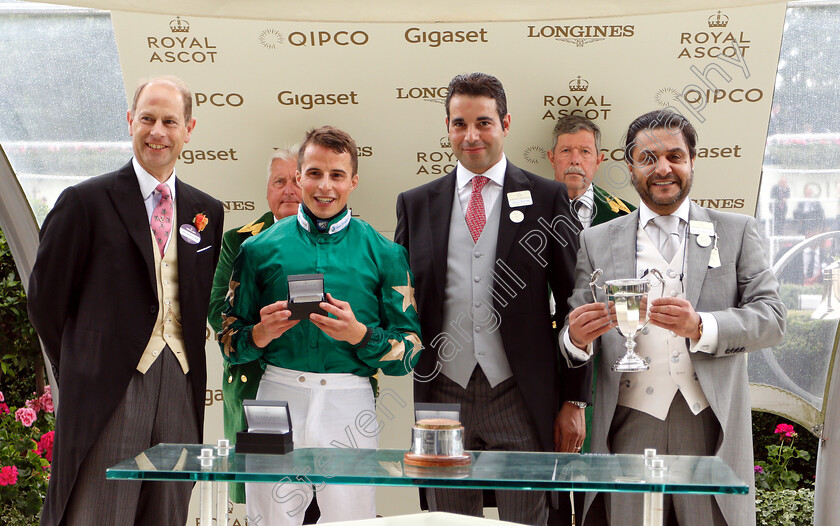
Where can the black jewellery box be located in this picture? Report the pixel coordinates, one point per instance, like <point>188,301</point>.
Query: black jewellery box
<point>269,428</point>
<point>306,292</point>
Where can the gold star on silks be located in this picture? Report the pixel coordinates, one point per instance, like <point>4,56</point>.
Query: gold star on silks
<point>226,334</point>
<point>252,228</point>
<point>231,292</point>
<point>398,348</point>
<point>407,292</point>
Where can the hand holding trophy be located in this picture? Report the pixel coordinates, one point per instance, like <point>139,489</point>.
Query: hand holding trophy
<point>627,301</point>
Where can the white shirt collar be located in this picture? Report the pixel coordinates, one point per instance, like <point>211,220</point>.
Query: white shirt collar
<point>148,183</point>
<point>587,197</point>
<point>495,173</point>
<point>646,214</point>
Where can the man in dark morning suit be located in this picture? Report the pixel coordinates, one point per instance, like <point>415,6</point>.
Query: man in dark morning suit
<point>119,296</point>
<point>576,155</point>
<point>484,243</point>
<point>719,300</point>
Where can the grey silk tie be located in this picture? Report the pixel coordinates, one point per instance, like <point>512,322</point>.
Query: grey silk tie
<point>669,237</point>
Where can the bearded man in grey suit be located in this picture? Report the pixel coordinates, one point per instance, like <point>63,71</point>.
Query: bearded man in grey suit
<point>720,300</point>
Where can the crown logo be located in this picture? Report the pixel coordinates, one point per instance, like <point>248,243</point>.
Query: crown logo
<point>578,84</point>
<point>718,20</point>
<point>179,26</point>
<point>444,142</point>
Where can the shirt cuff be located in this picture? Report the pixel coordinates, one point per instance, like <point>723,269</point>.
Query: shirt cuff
<point>575,357</point>
<point>708,342</point>
<point>366,339</point>
<point>251,340</point>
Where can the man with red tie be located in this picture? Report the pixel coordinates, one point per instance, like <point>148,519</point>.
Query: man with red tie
<point>484,243</point>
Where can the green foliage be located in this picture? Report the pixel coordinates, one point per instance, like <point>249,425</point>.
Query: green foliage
<point>803,152</point>
<point>20,445</point>
<point>10,515</point>
<point>805,351</point>
<point>786,507</point>
<point>778,466</point>
<point>19,349</point>
<point>790,292</point>
<point>783,492</point>
<point>763,438</point>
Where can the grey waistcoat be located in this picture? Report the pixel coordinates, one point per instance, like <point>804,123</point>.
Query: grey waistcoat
<point>470,322</point>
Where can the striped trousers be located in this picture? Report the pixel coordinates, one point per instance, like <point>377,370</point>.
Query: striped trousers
<point>494,419</point>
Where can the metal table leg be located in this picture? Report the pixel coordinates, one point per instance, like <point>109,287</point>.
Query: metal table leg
<point>205,493</point>
<point>222,517</point>
<point>654,509</point>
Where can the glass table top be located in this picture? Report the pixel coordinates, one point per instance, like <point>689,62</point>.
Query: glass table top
<point>385,467</point>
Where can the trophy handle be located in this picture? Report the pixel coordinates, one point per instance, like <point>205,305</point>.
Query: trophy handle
<point>658,275</point>
<point>593,281</point>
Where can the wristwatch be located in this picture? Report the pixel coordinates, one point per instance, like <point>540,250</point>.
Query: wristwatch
<point>580,405</point>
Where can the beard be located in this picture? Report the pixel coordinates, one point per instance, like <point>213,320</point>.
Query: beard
<point>656,203</point>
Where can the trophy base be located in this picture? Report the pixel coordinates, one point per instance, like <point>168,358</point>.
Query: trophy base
<point>634,365</point>
<point>436,461</point>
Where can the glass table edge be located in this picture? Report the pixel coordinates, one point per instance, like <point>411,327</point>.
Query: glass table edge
<point>409,482</point>
<point>115,473</point>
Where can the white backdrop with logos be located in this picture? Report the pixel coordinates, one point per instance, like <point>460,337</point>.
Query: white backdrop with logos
<point>259,84</point>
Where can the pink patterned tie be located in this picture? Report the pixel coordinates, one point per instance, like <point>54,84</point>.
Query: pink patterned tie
<point>162,217</point>
<point>475,209</point>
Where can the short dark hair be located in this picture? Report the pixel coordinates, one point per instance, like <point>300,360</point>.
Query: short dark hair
<point>175,82</point>
<point>660,119</point>
<point>336,140</point>
<point>478,85</point>
<point>574,124</point>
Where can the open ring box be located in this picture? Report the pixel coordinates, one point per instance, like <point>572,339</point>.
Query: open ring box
<point>269,428</point>
<point>306,292</point>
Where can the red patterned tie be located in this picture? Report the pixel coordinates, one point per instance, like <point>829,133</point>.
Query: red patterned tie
<point>162,217</point>
<point>475,209</point>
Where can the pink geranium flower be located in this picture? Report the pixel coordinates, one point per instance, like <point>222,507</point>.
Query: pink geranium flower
<point>45,445</point>
<point>8,476</point>
<point>3,409</point>
<point>34,404</point>
<point>785,429</point>
<point>25,416</point>
<point>46,400</point>
<point>2,397</point>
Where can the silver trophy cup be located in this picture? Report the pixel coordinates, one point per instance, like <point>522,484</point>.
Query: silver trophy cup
<point>627,301</point>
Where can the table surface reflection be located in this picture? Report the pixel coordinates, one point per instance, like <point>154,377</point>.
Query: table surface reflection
<point>488,470</point>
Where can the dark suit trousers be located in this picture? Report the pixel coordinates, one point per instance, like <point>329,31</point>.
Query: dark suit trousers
<point>157,407</point>
<point>494,419</point>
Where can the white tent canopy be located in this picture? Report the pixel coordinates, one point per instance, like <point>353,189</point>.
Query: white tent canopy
<point>425,11</point>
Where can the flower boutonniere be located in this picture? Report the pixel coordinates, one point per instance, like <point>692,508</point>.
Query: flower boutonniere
<point>200,221</point>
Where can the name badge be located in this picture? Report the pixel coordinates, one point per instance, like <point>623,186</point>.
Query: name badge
<point>522,198</point>
<point>701,227</point>
<point>189,234</point>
